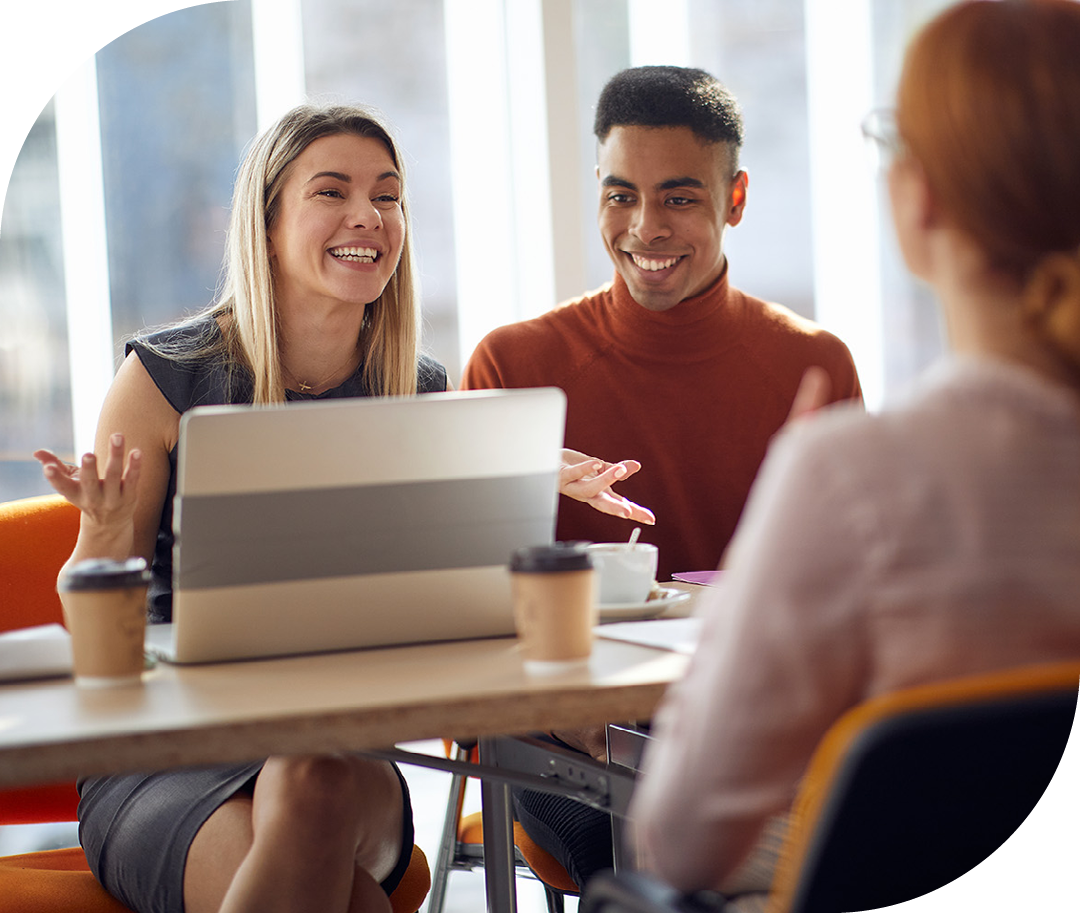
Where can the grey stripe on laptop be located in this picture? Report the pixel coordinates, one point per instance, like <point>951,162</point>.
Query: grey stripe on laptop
<point>230,540</point>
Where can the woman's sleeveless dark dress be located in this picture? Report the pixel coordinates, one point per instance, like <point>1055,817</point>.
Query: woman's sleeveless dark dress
<point>136,829</point>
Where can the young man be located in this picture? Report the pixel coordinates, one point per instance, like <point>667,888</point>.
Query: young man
<point>668,364</point>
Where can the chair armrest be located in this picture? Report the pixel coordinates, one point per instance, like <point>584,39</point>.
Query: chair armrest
<point>633,892</point>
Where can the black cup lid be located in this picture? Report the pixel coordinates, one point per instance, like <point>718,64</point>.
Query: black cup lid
<point>104,574</point>
<point>559,556</point>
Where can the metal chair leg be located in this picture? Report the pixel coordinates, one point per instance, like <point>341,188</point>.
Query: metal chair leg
<point>555,899</point>
<point>440,874</point>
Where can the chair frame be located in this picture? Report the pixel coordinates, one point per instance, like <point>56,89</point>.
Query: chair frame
<point>524,761</point>
<point>456,853</point>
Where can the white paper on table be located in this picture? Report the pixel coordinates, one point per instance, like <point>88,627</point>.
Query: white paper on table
<point>677,634</point>
<point>43,651</point>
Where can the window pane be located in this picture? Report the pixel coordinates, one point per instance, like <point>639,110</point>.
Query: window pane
<point>393,56</point>
<point>602,33</point>
<point>757,48</point>
<point>35,392</point>
<point>911,322</point>
<point>177,107</point>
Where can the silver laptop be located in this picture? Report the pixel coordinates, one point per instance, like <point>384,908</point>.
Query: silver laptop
<point>356,522</point>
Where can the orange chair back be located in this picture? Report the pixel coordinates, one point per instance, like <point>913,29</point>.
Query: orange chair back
<point>39,804</point>
<point>36,537</point>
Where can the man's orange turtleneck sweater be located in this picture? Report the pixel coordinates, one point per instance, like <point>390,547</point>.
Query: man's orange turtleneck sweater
<point>694,393</point>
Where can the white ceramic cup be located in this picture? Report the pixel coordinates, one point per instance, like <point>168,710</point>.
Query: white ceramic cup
<point>625,571</point>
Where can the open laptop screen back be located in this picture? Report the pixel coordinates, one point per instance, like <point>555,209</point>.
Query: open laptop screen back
<point>358,522</point>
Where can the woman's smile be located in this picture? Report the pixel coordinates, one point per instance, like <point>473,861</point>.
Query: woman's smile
<point>354,254</point>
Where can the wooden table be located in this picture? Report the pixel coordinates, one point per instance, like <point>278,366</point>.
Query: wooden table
<point>351,701</point>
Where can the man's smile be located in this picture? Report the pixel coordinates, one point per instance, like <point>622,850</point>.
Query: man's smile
<point>653,263</point>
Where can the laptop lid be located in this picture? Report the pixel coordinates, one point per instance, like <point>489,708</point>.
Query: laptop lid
<point>357,522</point>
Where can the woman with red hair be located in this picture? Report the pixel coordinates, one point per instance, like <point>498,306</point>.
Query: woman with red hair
<point>940,537</point>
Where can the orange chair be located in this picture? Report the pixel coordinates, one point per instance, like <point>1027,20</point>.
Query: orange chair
<point>36,537</point>
<point>462,846</point>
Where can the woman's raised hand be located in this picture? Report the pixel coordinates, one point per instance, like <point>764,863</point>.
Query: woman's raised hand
<point>105,498</point>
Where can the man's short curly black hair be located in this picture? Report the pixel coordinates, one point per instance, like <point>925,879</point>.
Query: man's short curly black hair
<point>664,96</point>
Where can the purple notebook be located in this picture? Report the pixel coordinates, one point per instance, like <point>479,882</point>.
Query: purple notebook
<point>704,578</point>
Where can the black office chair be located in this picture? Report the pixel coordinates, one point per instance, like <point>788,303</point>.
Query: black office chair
<point>904,794</point>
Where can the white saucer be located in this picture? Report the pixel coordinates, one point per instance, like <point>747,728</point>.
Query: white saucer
<point>630,611</point>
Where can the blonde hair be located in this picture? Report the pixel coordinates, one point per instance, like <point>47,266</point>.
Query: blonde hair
<point>245,307</point>
<point>989,106</point>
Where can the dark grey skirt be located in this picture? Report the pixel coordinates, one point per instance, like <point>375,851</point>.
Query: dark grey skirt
<point>136,829</point>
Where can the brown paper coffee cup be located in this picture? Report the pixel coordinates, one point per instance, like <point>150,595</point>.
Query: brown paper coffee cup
<point>554,606</point>
<point>105,613</point>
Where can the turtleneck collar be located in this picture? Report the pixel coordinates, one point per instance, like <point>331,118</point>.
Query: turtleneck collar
<point>695,327</point>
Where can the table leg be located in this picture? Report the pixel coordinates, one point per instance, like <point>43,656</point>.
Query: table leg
<point>498,837</point>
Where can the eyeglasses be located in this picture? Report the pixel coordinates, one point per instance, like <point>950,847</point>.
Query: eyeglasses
<point>882,137</point>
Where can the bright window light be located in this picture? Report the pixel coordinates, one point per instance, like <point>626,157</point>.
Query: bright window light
<point>480,167</point>
<point>844,205</point>
<point>659,33</point>
<point>527,28</point>
<point>278,44</point>
<point>86,258</point>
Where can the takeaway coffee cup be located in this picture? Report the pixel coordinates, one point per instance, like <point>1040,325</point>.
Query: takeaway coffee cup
<point>554,606</point>
<point>626,571</point>
<point>105,612</point>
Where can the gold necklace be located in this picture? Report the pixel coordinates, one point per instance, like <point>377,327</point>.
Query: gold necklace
<point>304,388</point>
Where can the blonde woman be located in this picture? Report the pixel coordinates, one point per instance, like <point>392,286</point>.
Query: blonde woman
<point>319,301</point>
